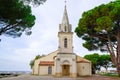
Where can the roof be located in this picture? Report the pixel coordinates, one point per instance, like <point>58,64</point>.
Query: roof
<point>45,63</point>
<point>48,60</point>
<point>49,57</point>
<point>81,60</point>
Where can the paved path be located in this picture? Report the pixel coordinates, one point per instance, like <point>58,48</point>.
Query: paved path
<point>31,77</point>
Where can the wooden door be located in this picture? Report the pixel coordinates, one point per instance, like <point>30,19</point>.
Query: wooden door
<point>65,70</point>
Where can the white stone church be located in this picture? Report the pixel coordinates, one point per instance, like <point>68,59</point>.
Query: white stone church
<point>63,62</point>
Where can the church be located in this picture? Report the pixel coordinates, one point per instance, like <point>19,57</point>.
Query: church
<point>63,62</point>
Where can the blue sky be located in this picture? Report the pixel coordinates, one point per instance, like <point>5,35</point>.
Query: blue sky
<point>16,53</point>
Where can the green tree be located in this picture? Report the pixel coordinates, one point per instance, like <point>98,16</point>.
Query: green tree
<point>34,2</point>
<point>100,28</point>
<point>31,63</point>
<point>94,58</point>
<point>16,17</point>
<point>105,61</point>
<point>99,61</point>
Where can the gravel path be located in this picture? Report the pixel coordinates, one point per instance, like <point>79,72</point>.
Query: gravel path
<point>31,77</point>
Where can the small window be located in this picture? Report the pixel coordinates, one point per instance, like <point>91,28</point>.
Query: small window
<point>49,70</point>
<point>65,42</point>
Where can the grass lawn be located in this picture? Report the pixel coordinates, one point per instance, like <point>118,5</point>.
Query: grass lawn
<point>110,74</point>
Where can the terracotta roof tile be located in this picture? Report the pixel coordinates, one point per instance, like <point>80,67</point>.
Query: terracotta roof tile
<point>82,61</point>
<point>46,63</point>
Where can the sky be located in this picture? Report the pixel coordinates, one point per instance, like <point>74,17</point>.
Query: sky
<point>16,53</point>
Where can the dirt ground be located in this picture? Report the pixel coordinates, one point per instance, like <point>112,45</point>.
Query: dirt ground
<point>31,77</point>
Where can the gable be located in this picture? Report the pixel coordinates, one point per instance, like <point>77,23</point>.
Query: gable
<point>81,60</point>
<point>49,57</point>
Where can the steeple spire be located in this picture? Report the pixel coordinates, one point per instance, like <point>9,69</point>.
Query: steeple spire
<point>65,26</point>
<point>65,19</point>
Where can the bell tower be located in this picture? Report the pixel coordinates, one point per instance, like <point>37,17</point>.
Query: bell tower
<point>65,62</point>
<point>65,35</point>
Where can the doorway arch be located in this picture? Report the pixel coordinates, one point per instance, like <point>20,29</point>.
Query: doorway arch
<point>65,68</point>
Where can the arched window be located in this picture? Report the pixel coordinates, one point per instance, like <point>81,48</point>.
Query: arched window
<point>49,70</point>
<point>65,42</point>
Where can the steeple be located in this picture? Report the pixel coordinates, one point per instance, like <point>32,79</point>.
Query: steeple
<point>65,34</point>
<point>65,20</point>
<point>65,26</point>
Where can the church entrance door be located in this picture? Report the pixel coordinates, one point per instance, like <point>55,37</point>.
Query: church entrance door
<point>65,70</point>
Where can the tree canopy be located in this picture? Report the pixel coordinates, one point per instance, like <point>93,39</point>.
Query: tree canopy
<point>99,61</point>
<point>100,28</point>
<point>34,2</point>
<point>105,61</point>
<point>16,17</point>
<point>94,60</point>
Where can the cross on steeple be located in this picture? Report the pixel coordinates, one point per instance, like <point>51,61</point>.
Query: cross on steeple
<point>65,1</point>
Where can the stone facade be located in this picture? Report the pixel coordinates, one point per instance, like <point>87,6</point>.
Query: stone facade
<point>66,64</point>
